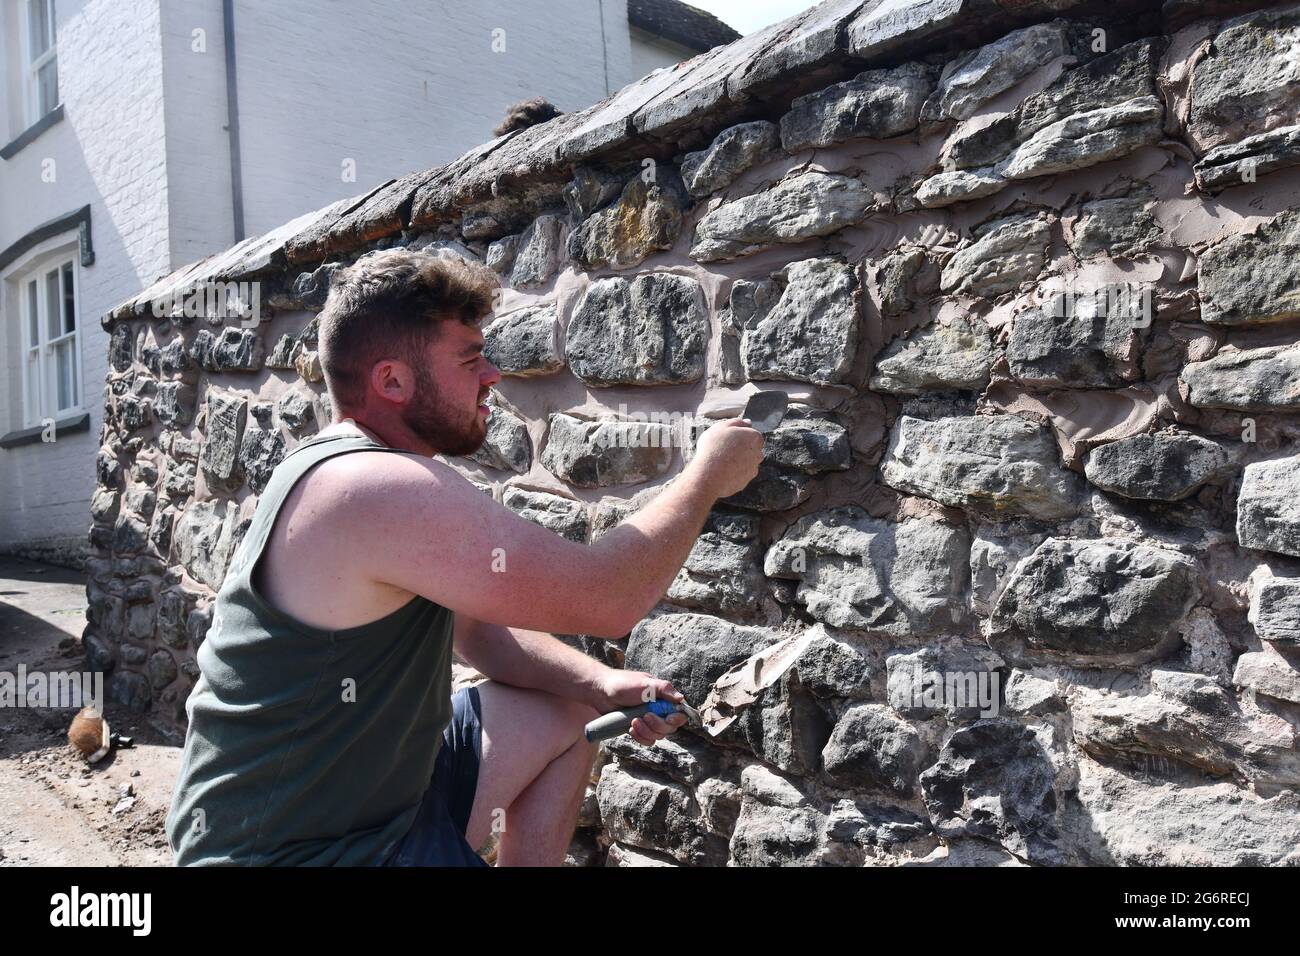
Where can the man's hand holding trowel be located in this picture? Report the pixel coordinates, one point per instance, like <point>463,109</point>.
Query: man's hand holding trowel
<point>654,705</point>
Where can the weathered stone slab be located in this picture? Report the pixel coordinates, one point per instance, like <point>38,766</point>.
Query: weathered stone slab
<point>1005,254</point>
<point>1268,506</point>
<point>1246,380</point>
<point>1253,277</point>
<point>526,342</point>
<point>1165,466</point>
<point>595,454</point>
<point>731,153</point>
<point>956,355</point>
<point>877,104</point>
<point>805,327</point>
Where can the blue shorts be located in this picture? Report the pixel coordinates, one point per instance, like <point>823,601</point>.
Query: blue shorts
<point>437,837</point>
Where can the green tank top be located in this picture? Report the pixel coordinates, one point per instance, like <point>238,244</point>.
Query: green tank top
<point>307,746</point>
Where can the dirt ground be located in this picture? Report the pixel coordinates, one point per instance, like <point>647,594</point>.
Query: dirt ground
<point>55,808</point>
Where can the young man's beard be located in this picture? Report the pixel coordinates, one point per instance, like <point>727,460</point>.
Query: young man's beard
<point>446,429</point>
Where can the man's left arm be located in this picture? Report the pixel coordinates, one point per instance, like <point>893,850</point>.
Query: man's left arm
<point>533,659</point>
<point>530,659</point>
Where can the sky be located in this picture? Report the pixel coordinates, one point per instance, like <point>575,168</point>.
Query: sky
<point>749,15</point>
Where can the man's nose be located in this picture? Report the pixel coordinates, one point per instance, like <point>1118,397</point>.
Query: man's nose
<point>492,375</point>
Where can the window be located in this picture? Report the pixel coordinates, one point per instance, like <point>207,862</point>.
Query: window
<point>51,359</point>
<point>42,79</point>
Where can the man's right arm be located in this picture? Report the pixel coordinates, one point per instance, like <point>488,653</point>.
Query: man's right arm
<point>429,531</point>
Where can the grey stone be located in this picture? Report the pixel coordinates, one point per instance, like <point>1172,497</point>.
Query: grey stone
<point>1149,725</point>
<point>1094,603</point>
<point>594,454</point>
<point>958,682</point>
<point>1268,672</point>
<point>174,404</point>
<point>995,781</point>
<point>506,446</point>
<point>162,669</point>
<point>311,289</point>
<point>131,690</point>
<point>172,358</point>
<point>1246,380</point>
<point>1165,466</point>
<point>993,464</point>
<point>809,204</point>
<point>832,666</point>
<point>959,185</point>
<point>1114,227</point>
<point>565,517</point>
<point>865,573</point>
<point>1275,610</point>
<point>590,189</point>
<point>640,809</point>
<point>226,417</point>
<point>1234,164</point>
<point>1127,821</point>
<point>872,749</point>
<point>1007,253</point>
<point>646,218</point>
<point>808,442</point>
<point>1119,76</point>
<point>1086,139</point>
<point>525,342</point>
<point>895,275</point>
<point>133,413</point>
<point>731,153</point>
<point>260,450</point>
<point>296,412</point>
<point>1249,82</point>
<point>1081,339</point>
<point>776,825</point>
<point>541,248</point>
<point>808,329</point>
<point>650,331</point>
<point>121,347</point>
<point>204,539</point>
<point>501,255</point>
<point>1268,506</point>
<point>972,79</point>
<point>958,355</point>
<point>878,104</point>
<point>722,573</point>
<point>236,350</point>
<point>281,356</point>
<point>1254,277</point>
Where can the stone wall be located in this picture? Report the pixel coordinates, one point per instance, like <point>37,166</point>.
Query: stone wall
<point>1028,277</point>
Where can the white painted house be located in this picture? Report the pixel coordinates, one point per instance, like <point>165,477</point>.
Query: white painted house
<point>140,135</point>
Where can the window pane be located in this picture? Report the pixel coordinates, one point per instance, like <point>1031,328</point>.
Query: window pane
<point>32,407</point>
<point>38,18</point>
<point>67,375</point>
<point>33,324</point>
<point>69,300</point>
<point>47,80</point>
<point>52,304</point>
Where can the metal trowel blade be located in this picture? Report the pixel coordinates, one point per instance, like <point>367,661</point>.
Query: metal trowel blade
<point>765,410</point>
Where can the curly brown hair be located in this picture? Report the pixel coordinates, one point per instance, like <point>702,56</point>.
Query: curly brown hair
<point>386,305</point>
<point>527,113</point>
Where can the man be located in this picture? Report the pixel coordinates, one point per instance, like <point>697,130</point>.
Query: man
<point>322,729</point>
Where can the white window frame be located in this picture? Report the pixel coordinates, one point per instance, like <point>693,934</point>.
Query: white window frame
<point>45,386</point>
<point>32,63</point>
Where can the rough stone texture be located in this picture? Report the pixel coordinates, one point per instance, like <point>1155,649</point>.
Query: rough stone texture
<point>1275,609</point>
<point>595,454</point>
<point>1268,506</point>
<point>1005,254</point>
<point>878,104</point>
<point>922,510</point>
<point>956,355</point>
<point>998,464</point>
<point>526,342</point>
<point>863,573</point>
<point>809,204</point>
<point>1093,602</point>
<point>1247,380</point>
<point>1085,340</point>
<point>733,151</point>
<point>647,217</point>
<point>808,328</point>
<point>1253,277</point>
<point>1166,466</point>
<point>650,331</point>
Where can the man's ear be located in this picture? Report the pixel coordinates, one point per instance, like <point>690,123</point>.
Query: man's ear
<point>392,380</point>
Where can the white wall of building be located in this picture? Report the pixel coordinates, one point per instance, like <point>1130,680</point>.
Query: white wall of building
<point>107,152</point>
